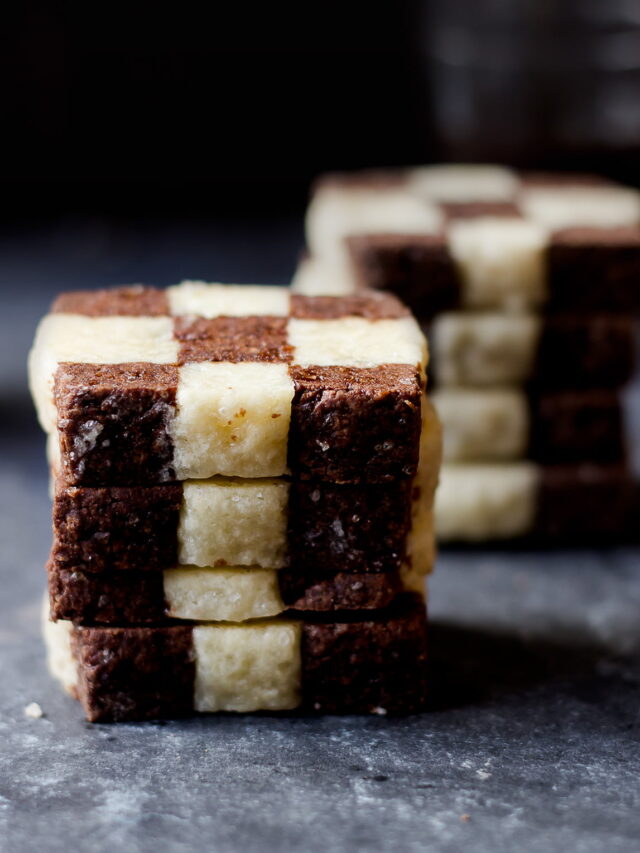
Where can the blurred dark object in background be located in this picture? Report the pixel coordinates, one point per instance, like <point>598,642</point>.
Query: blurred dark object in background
<point>538,84</point>
<point>200,109</point>
<point>218,110</point>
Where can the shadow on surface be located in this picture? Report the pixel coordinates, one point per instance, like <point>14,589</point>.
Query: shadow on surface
<point>471,666</point>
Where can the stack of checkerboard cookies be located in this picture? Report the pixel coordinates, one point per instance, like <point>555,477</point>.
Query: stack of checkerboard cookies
<point>243,484</point>
<point>528,285</point>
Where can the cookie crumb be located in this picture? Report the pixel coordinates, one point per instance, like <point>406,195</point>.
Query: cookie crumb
<point>465,818</point>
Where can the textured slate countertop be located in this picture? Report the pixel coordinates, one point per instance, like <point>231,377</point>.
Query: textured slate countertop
<point>532,743</point>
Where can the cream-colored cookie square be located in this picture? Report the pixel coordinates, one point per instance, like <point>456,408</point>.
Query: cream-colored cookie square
<point>421,547</point>
<point>500,261</point>
<point>222,595</point>
<point>57,641</point>
<point>484,349</point>
<point>463,183</point>
<point>228,300</point>
<point>93,340</point>
<point>491,424</point>
<point>316,277</point>
<point>232,419</point>
<point>588,206</point>
<point>247,667</point>
<point>478,502</point>
<point>339,212</point>
<point>357,342</point>
<point>234,523</point>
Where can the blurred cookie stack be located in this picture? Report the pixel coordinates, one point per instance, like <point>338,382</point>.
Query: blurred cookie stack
<point>528,286</point>
<point>243,495</point>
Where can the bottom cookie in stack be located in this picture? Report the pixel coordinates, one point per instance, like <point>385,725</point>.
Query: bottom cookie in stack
<point>331,663</point>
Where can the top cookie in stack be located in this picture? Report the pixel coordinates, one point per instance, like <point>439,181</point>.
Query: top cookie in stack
<point>147,386</point>
<point>527,284</point>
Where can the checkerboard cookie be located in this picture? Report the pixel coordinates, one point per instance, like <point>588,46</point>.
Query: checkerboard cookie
<point>455,237</point>
<point>147,386</point>
<point>374,664</point>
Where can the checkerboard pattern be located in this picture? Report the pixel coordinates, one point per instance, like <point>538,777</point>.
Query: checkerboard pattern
<point>142,391</point>
<point>232,465</point>
<point>527,286</point>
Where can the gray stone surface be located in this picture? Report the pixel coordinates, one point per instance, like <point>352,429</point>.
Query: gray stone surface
<point>532,743</point>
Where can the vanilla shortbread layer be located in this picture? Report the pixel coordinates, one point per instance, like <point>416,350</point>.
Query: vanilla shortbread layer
<point>337,212</point>
<point>222,595</point>
<point>234,523</point>
<point>232,419</point>
<point>478,502</point>
<point>316,277</point>
<point>421,544</point>
<point>484,349</point>
<point>463,183</point>
<point>564,206</point>
<point>93,340</point>
<point>247,667</point>
<point>488,424</point>
<point>499,261</point>
<point>57,640</point>
<point>228,300</point>
<point>358,342</point>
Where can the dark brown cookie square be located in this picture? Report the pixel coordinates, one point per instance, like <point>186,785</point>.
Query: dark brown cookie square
<point>134,673</point>
<point>113,422</point>
<point>587,504</point>
<point>232,339</point>
<point>418,268</point>
<point>136,301</point>
<point>346,527</point>
<point>317,591</point>
<point>574,426</point>
<point>372,306</point>
<point>585,352</point>
<point>118,528</point>
<point>355,425</point>
<point>110,599</point>
<point>595,269</point>
<point>363,667</point>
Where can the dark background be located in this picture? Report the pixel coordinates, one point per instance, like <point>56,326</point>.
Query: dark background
<point>229,109</point>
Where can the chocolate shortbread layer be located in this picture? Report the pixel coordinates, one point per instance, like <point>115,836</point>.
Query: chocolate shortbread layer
<point>590,503</point>
<point>119,528</point>
<point>581,352</point>
<point>418,268</point>
<point>134,674</point>
<point>574,426</point>
<point>232,339</point>
<point>114,422</point>
<point>375,665</point>
<point>593,269</point>
<point>136,301</point>
<point>355,425</point>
